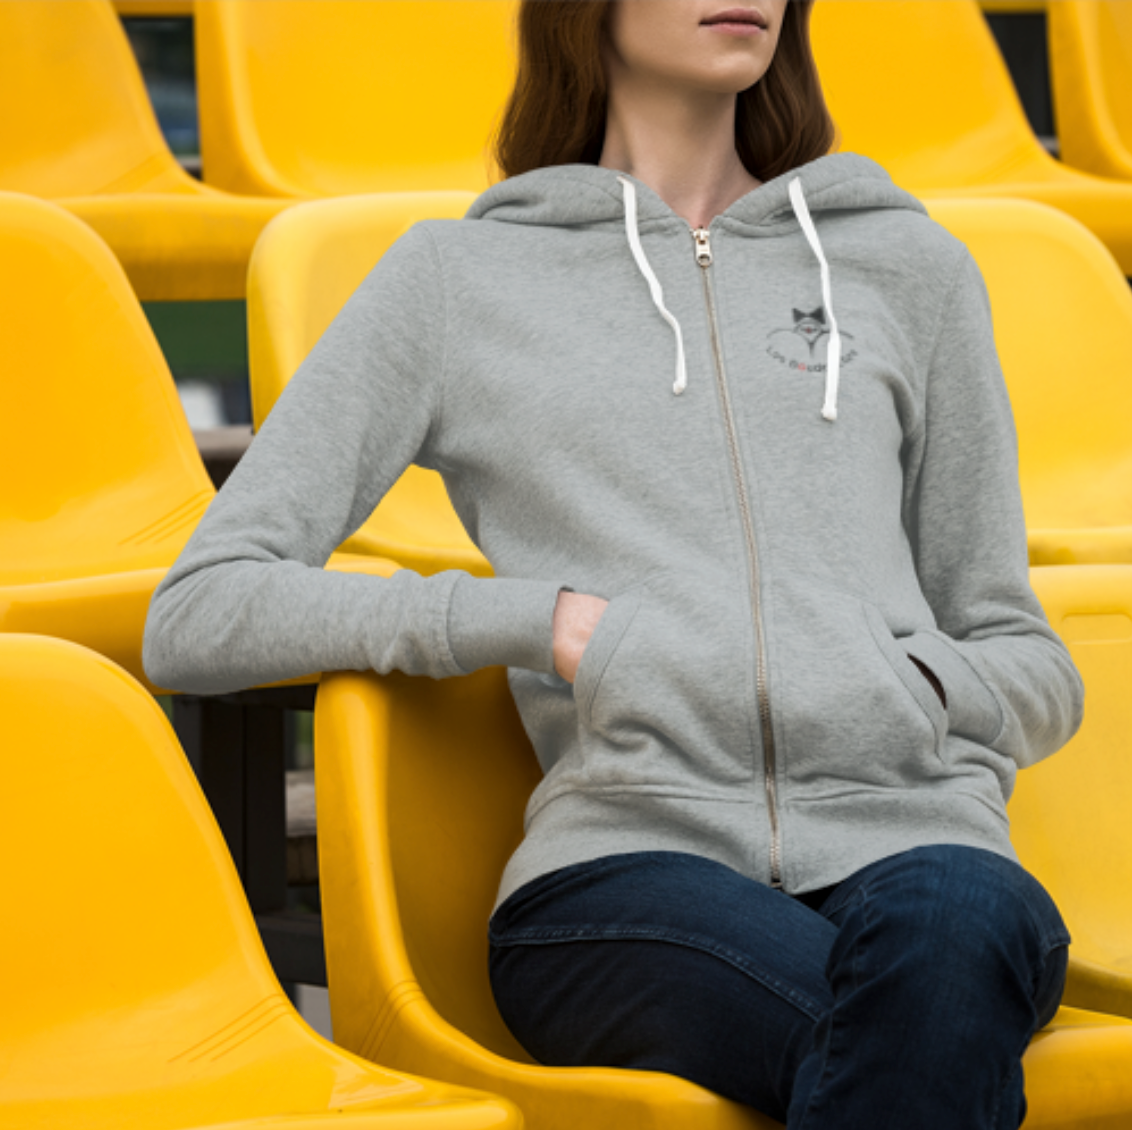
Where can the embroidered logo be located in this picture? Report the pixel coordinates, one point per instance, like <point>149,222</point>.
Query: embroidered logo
<point>796,346</point>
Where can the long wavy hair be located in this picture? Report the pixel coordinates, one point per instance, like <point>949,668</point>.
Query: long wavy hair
<point>557,108</point>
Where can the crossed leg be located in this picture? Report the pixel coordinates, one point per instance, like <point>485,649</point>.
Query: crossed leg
<point>905,998</point>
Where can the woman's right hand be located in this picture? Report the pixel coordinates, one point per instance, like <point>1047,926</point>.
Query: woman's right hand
<point>575,617</point>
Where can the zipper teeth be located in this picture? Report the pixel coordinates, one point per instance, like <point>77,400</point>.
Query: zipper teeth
<point>767,730</point>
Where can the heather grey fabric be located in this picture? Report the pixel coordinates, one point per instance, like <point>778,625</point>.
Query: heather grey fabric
<point>518,352</point>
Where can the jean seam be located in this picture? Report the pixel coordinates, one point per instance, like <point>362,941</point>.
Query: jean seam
<point>565,935</point>
<point>1049,939</point>
<point>1038,979</point>
<point>1021,1051</point>
<point>860,895</point>
<point>540,884</point>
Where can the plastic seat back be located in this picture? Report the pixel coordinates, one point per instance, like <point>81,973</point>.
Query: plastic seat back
<point>75,118</point>
<point>100,466</point>
<point>323,97</point>
<point>1070,813</point>
<point>307,263</point>
<point>140,996</point>
<point>446,768</point>
<point>153,7</point>
<point>922,88</point>
<point>1090,51</point>
<point>124,893</point>
<point>1063,328</point>
<point>421,789</point>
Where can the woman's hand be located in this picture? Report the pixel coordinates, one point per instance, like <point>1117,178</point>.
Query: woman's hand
<point>575,617</point>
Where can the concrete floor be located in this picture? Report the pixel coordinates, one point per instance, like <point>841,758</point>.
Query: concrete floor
<point>314,1005</point>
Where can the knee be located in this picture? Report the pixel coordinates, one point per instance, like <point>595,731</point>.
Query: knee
<point>960,908</point>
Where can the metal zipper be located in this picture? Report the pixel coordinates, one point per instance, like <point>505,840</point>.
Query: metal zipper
<point>702,237</point>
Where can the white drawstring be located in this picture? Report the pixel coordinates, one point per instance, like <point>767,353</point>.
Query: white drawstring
<point>833,353</point>
<point>630,193</point>
<point>798,200</point>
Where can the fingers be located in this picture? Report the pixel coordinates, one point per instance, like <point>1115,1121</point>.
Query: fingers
<point>575,617</point>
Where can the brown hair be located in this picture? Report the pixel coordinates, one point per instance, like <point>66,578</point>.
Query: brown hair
<point>557,108</point>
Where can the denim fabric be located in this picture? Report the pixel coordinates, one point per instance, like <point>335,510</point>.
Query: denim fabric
<point>903,996</point>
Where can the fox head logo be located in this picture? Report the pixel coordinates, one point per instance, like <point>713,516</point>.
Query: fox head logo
<point>796,345</point>
<point>810,326</point>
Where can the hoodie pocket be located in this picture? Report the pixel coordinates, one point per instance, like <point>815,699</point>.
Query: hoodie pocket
<point>908,673</point>
<point>663,689</point>
<point>607,633</point>
<point>852,708</point>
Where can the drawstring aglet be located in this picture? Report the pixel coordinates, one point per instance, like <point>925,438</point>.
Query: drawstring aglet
<point>681,381</point>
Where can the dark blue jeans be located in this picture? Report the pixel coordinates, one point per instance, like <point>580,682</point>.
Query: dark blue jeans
<point>901,997</point>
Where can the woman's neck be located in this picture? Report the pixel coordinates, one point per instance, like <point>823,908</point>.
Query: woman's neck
<point>681,145</point>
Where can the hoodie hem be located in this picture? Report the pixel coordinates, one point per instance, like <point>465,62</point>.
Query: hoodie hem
<point>579,825</point>
<point>825,839</point>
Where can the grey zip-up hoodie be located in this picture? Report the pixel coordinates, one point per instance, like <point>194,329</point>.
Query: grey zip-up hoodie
<point>624,407</point>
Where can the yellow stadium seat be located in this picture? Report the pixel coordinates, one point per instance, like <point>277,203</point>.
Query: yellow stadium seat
<point>1069,815</point>
<point>921,87</point>
<point>103,483</point>
<point>329,97</point>
<point>76,126</point>
<point>138,995</point>
<point>1090,54</point>
<point>421,787</point>
<point>1007,6</point>
<point>304,268</point>
<point>154,8</point>
<point>1063,326</point>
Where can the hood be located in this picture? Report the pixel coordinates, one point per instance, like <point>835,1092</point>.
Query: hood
<point>577,194</point>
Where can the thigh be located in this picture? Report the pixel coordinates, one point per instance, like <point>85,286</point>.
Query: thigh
<point>969,910</point>
<point>668,962</point>
<point>947,960</point>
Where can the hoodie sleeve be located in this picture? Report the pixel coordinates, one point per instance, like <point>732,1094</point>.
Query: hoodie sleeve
<point>1008,678</point>
<point>248,601</point>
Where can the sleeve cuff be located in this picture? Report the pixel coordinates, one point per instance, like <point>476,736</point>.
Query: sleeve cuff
<point>972,708</point>
<point>494,621</point>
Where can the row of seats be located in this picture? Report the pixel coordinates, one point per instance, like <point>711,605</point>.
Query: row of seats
<point>310,98</point>
<point>111,484</point>
<point>103,481</point>
<point>106,490</point>
<point>137,994</point>
<point>1090,48</point>
<point>166,1013</point>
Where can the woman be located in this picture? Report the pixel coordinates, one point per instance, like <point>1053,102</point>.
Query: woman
<point>724,411</point>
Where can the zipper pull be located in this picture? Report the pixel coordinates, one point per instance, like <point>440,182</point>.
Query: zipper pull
<point>703,246</point>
